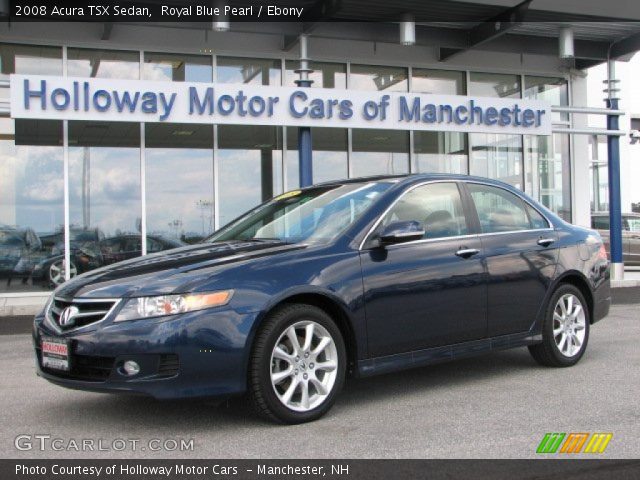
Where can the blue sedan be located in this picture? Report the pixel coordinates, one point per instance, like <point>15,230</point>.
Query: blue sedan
<point>357,277</point>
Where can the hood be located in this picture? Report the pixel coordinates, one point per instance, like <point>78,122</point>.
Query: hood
<point>173,271</point>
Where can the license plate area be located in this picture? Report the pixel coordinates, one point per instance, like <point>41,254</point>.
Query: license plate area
<point>55,353</point>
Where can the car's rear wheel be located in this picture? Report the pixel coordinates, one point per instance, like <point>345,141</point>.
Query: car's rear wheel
<point>298,365</point>
<point>565,331</point>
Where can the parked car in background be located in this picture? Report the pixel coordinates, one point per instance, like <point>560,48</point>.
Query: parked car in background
<point>363,277</point>
<point>90,250</point>
<point>630,235</point>
<point>20,248</point>
<point>84,251</point>
<point>124,247</point>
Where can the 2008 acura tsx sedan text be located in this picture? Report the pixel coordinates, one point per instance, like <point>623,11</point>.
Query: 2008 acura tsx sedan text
<point>358,277</point>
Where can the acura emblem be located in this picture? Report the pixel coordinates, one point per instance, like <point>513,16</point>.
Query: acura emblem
<point>67,317</point>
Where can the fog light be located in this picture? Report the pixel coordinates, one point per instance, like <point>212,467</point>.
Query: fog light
<point>131,368</point>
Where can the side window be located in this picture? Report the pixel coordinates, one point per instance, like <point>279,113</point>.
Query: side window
<point>133,244</point>
<point>537,220</point>
<point>634,224</point>
<point>498,209</point>
<point>437,206</point>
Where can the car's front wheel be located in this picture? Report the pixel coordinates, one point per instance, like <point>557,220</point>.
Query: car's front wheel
<point>298,364</point>
<point>565,331</point>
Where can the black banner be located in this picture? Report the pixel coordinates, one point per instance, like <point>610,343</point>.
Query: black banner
<point>311,469</point>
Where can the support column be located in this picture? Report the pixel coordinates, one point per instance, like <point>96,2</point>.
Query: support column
<point>305,148</point>
<point>615,203</point>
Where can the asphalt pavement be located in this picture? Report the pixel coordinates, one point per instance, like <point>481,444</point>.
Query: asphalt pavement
<point>495,406</point>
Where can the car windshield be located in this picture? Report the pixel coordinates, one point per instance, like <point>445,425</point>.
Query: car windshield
<point>316,214</point>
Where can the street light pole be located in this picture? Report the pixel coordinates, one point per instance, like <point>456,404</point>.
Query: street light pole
<point>305,149</point>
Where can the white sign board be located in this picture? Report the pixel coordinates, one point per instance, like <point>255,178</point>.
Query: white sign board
<point>97,99</point>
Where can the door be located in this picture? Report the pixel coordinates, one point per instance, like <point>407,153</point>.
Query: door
<point>518,245</point>
<point>428,292</point>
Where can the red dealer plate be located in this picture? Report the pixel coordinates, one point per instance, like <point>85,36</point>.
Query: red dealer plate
<point>55,353</point>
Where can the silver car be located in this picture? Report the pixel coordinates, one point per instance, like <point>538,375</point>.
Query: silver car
<point>630,235</point>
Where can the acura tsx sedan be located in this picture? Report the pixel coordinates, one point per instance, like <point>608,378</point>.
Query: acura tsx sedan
<point>358,277</point>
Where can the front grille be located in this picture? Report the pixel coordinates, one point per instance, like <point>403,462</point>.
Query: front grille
<point>88,311</point>
<point>169,365</point>
<point>83,367</point>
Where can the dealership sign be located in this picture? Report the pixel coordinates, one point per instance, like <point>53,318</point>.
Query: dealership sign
<point>98,99</point>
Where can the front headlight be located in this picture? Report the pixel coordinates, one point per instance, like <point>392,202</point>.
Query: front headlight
<point>148,307</point>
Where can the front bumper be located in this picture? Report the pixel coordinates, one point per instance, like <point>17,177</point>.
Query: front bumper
<point>197,354</point>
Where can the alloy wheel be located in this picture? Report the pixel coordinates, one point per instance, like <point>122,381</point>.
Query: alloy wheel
<point>57,272</point>
<point>569,323</point>
<point>304,366</point>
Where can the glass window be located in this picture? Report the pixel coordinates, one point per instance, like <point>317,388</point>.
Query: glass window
<point>104,188</point>
<point>554,90</point>
<point>494,85</point>
<point>82,62</point>
<point>598,174</point>
<point>444,82</point>
<point>536,218</point>
<point>379,152</point>
<point>440,152</point>
<point>438,207</point>
<point>330,160</point>
<point>318,214</point>
<point>324,75</point>
<point>249,159</point>
<point>177,68</point>
<point>254,71</point>
<point>31,205</point>
<point>378,78</point>
<point>497,156</point>
<point>548,177</point>
<point>29,59</point>
<point>498,210</point>
<point>179,174</point>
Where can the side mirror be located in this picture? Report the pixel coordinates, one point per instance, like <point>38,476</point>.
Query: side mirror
<point>400,232</point>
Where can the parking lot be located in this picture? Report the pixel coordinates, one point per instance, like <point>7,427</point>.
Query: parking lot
<point>498,405</point>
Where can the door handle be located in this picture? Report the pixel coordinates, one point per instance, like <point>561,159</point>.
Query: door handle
<point>467,252</point>
<point>545,242</point>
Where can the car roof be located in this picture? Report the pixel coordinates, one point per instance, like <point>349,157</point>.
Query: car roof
<point>415,178</point>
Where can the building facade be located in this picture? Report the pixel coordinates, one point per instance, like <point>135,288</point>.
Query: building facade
<point>110,181</point>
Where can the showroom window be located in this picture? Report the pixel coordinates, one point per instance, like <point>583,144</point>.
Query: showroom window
<point>253,71</point>
<point>440,152</point>
<point>104,190</point>
<point>177,68</point>
<point>82,62</point>
<point>548,171</point>
<point>324,75</point>
<point>249,164</point>
<point>330,157</point>
<point>497,156</point>
<point>31,204</point>
<point>444,82</point>
<point>554,90</point>
<point>379,152</point>
<point>378,78</point>
<point>599,173</point>
<point>179,181</point>
<point>28,59</point>
<point>494,85</point>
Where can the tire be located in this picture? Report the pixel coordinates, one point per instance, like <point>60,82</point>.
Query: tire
<point>279,372</point>
<point>564,335</point>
